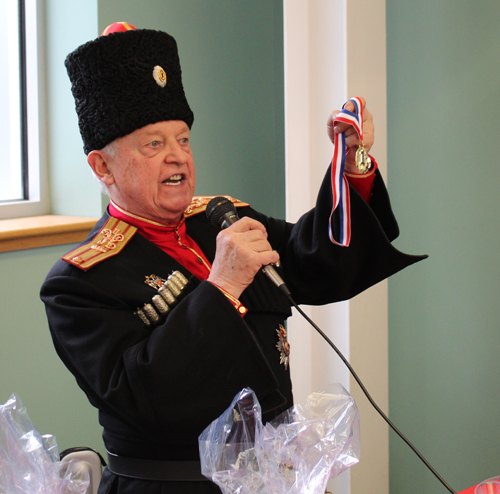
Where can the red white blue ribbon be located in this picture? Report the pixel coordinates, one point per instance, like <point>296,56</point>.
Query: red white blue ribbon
<point>341,234</point>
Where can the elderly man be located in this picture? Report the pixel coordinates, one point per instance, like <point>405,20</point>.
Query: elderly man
<point>161,317</point>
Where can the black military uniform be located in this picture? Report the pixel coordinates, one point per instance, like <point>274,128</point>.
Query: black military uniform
<point>158,386</point>
<point>160,370</point>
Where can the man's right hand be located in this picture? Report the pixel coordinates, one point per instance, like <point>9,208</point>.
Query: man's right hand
<point>242,249</point>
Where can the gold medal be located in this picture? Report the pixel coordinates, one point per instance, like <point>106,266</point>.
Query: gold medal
<point>363,161</point>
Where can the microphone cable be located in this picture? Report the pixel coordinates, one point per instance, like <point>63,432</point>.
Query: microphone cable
<point>222,213</point>
<point>367,394</point>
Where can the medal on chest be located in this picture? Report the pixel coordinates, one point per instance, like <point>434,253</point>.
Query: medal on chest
<point>283,346</point>
<point>170,290</point>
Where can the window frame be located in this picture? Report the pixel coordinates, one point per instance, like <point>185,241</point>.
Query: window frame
<point>34,147</point>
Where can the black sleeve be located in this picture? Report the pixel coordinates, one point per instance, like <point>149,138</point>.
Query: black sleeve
<point>318,271</point>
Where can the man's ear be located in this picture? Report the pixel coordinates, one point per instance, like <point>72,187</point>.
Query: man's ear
<point>98,161</point>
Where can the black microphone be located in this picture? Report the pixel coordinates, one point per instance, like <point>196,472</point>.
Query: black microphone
<point>222,214</point>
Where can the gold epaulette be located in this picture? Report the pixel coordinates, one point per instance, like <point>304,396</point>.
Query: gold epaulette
<point>109,242</point>
<point>199,204</point>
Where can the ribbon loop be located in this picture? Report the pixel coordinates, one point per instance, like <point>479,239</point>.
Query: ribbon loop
<point>340,233</point>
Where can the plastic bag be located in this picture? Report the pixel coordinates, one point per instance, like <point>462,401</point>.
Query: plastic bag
<point>296,453</point>
<point>490,486</point>
<point>29,462</point>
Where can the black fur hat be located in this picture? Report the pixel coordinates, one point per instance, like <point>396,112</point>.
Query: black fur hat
<point>124,81</point>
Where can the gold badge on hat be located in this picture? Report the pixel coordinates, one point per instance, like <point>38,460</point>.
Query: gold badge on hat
<point>160,76</point>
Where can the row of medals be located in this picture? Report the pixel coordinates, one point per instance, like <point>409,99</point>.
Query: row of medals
<point>169,291</point>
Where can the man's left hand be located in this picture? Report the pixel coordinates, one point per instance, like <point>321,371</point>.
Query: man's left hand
<point>351,136</point>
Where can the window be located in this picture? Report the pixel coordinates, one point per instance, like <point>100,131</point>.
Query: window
<point>21,189</point>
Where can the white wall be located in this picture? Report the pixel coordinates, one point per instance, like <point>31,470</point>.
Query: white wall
<point>332,53</point>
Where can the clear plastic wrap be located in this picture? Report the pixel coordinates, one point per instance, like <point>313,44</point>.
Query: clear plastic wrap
<point>29,462</point>
<point>490,486</point>
<point>296,453</point>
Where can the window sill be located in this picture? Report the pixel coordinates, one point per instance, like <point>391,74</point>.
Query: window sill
<point>42,231</point>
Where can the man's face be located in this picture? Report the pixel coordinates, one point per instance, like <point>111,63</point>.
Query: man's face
<point>152,171</point>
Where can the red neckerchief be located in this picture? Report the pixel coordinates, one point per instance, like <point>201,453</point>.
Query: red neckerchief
<point>171,238</point>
